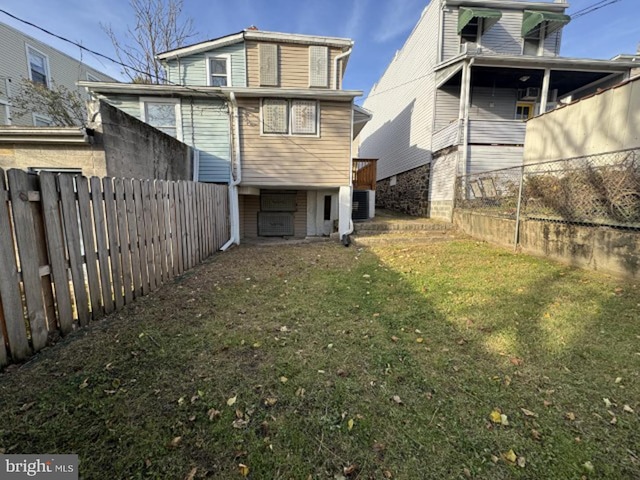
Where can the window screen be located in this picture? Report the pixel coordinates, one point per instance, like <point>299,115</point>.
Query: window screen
<point>274,116</point>
<point>304,117</point>
<point>268,64</point>
<point>162,116</point>
<point>218,68</point>
<point>37,67</point>
<point>318,66</point>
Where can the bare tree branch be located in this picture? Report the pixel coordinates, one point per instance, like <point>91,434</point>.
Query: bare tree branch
<point>64,107</point>
<point>159,26</point>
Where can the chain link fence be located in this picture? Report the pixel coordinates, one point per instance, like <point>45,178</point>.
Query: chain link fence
<point>599,189</point>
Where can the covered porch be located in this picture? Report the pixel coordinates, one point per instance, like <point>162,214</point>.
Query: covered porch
<point>484,101</point>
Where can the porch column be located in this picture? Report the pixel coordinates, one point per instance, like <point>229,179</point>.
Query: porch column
<point>545,90</point>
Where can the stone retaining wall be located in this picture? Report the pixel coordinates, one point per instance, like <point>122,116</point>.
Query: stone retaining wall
<point>409,195</point>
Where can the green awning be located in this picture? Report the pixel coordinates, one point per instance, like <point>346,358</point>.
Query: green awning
<point>465,15</point>
<point>531,20</point>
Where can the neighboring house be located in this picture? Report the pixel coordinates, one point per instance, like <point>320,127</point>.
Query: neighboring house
<point>115,145</point>
<point>267,113</point>
<point>607,121</point>
<point>455,98</point>
<point>24,57</point>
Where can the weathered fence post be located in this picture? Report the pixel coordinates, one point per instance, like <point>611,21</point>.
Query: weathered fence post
<point>516,236</point>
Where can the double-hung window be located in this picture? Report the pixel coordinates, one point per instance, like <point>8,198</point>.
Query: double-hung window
<point>218,70</point>
<point>163,114</point>
<point>38,66</point>
<point>289,117</point>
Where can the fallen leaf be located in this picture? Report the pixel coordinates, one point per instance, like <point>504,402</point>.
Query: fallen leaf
<point>495,416</point>
<point>627,409</point>
<point>397,399</point>
<point>350,470</point>
<point>516,361</point>
<point>192,474</point>
<point>181,401</point>
<point>350,424</point>
<point>588,466</point>
<point>614,421</point>
<point>213,414</point>
<point>510,456</point>
<point>84,384</point>
<point>300,392</point>
<point>175,442</point>
<point>27,406</point>
<point>284,379</point>
<point>507,380</point>
<point>607,402</point>
<point>504,420</point>
<point>419,340</point>
<point>240,423</point>
<point>394,338</point>
<point>243,469</point>
<point>528,413</point>
<point>387,474</point>
<point>522,462</point>
<point>619,379</point>
<point>270,401</point>
<point>466,472</point>
<point>547,403</point>
<point>232,400</point>
<point>494,459</point>
<point>570,416</point>
<point>536,435</point>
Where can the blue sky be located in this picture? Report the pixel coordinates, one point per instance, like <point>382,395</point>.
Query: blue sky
<point>379,27</point>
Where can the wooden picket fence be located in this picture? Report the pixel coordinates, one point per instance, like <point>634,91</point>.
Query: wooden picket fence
<point>73,249</point>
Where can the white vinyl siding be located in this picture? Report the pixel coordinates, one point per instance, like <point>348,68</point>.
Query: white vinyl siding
<point>268,65</point>
<point>402,102</point>
<point>318,66</point>
<point>193,70</point>
<point>451,40</point>
<point>493,104</point>
<point>14,66</point>
<point>442,176</point>
<point>483,158</point>
<point>447,106</point>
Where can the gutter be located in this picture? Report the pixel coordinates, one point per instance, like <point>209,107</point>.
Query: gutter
<point>234,207</point>
<point>336,78</point>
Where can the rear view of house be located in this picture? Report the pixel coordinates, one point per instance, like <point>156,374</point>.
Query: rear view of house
<point>455,98</point>
<point>267,113</point>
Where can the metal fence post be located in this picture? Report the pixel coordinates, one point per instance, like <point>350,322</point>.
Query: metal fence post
<point>516,237</point>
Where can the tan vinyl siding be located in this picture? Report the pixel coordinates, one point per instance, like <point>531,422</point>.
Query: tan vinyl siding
<point>250,206</point>
<point>63,69</point>
<point>296,160</point>
<point>293,65</point>
<point>300,215</point>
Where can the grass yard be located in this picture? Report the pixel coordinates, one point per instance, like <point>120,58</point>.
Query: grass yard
<point>324,362</point>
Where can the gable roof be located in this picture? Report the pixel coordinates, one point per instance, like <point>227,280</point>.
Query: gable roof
<point>255,35</point>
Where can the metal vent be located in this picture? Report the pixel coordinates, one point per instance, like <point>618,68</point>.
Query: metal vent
<point>360,205</point>
<point>278,202</point>
<point>275,224</point>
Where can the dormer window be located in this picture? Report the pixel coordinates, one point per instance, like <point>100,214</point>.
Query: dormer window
<point>219,70</point>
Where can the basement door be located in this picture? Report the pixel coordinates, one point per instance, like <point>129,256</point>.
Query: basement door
<point>275,218</point>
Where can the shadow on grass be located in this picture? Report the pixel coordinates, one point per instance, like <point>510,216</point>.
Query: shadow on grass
<point>412,347</point>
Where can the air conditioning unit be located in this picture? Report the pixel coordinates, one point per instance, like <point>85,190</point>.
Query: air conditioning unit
<point>531,93</point>
<point>471,48</point>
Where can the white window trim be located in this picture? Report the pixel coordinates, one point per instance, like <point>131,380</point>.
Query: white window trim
<point>174,101</point>
<point>46,62</point>
<point>47,66</point>
<point>290,125</point>
<point>227,57</point>
<point>92,78</point>
<point>35,116</point>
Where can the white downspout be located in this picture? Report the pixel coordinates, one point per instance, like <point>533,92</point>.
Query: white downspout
<point>234,207</point>
<point>336,77</point>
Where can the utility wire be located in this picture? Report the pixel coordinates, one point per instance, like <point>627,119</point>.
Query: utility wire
<point>205,92</point>
<point>579,14</point>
